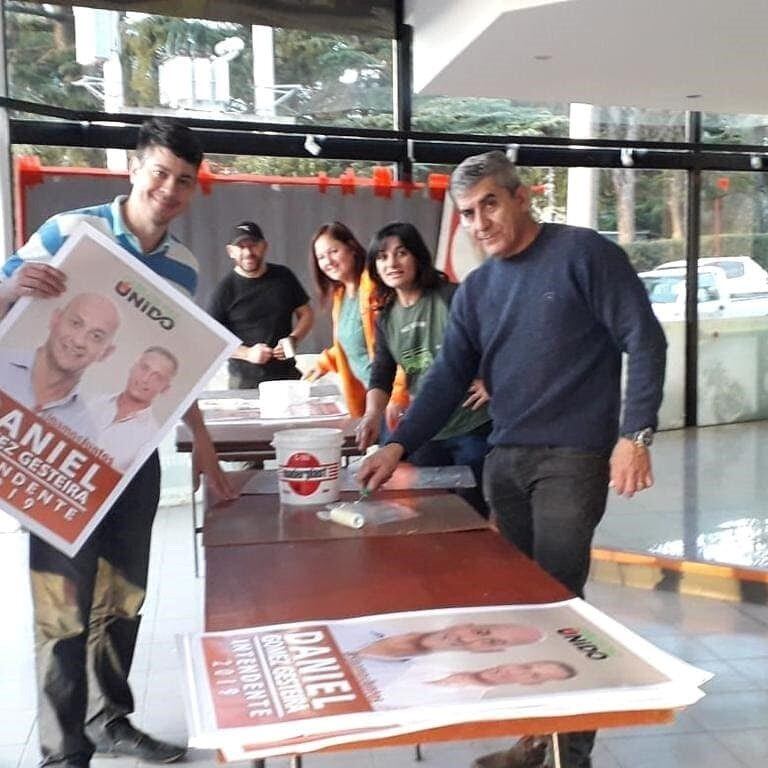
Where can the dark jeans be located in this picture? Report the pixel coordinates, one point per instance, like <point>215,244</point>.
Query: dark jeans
<point>548,502</point>
<point>470,450</point>
<point>86,616</point>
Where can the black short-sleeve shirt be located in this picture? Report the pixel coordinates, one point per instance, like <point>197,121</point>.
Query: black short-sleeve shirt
<point>259,310</point>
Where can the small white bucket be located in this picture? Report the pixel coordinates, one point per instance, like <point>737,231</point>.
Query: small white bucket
<point>308,465</point>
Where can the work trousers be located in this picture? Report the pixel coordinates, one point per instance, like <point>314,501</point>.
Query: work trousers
<point>547,501</point>
<point>86,619</point>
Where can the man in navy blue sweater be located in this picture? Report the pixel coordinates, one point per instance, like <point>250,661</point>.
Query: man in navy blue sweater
<point>544,323</point>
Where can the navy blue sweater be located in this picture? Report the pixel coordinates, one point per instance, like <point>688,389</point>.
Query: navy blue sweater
<point>546,330</point>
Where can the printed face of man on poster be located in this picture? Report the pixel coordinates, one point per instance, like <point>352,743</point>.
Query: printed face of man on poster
<point>80,333</point>
<point>150,376</point>
<point>475,638</point>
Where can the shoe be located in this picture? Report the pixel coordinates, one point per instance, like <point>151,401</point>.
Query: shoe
<point>528,752</point>
<point>121,738</point>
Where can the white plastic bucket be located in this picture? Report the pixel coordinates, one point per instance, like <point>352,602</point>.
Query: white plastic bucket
<point>308,465</point>
<point>276,398</point>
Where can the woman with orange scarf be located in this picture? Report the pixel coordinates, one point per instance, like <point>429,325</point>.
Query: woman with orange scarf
<point>337,262</point>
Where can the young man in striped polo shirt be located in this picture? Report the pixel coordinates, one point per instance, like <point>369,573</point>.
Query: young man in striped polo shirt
<point>86,608</point>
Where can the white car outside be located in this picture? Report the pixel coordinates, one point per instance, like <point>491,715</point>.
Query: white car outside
<point>666,290</point>
<point>744,274</point>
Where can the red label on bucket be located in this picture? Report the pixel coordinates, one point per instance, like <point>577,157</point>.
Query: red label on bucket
<point>304,473</point>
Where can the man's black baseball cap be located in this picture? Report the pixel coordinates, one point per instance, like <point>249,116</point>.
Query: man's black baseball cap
<point>245,230</point>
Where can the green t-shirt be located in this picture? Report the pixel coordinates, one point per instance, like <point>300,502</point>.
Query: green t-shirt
<point>352,339</point>
<point>414,336</point>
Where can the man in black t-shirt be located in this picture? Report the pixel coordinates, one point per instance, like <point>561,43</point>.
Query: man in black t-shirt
<point>266,306</point>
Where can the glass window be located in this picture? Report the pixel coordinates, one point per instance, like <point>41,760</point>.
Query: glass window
<point>40,53</point>
<point>645,212</point>
<point>634,124</point>
<point>291,166</point>
<point>84,157</point>
<point>663,289</point>
<point>117,61</point>
<point>733,320</point>
<point>422,171</point>
<point>720,128</point>
<point>449,114</point>
<point>68,157</point>
<point>344,81</point>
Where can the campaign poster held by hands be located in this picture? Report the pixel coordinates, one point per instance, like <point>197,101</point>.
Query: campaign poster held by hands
<point>91,381</point>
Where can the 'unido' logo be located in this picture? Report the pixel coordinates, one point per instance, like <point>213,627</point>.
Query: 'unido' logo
<point>303,472</point>
<point>585,642</point>
<point>135,297</point>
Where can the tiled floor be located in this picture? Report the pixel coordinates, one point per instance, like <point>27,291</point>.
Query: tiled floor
<point>709,503</point>
<point>698,472</point>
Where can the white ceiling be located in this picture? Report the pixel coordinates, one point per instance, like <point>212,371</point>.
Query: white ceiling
<point>645,53</point>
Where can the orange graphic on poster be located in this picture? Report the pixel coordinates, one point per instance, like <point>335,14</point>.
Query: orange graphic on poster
<point>48,473</point>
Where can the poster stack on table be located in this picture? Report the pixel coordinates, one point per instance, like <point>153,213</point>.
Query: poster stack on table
<point>242,405</point>
<point>91,381</point>
<point>293,688</point>
<point>238,416</point>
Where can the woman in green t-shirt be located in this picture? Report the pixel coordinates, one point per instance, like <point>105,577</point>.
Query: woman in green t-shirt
<point>413,299</point>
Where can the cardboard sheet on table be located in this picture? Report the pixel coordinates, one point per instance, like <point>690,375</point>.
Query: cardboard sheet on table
<point>405,478</point>
<point>257,519</point>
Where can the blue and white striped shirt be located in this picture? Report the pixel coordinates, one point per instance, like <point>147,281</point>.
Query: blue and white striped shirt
<point>170,259</point>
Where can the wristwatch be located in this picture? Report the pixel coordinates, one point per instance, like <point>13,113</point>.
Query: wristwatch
<point>642,438</point>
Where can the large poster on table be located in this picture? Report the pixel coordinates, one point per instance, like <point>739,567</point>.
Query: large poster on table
<point>263,691</point>
<point>91,381</point>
